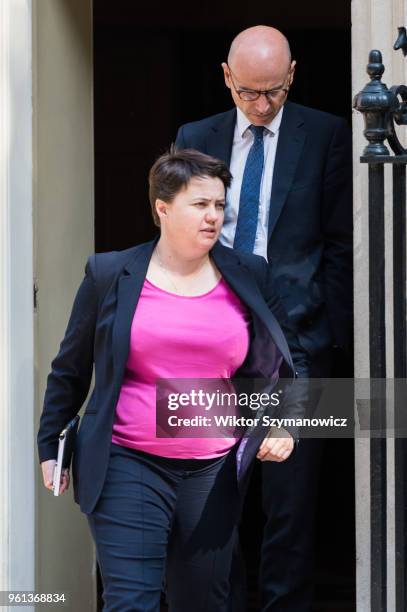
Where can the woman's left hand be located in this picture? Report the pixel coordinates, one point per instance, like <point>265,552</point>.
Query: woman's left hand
<point>275,448</point>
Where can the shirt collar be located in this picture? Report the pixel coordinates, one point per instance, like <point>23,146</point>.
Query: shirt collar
<point>243,123</point>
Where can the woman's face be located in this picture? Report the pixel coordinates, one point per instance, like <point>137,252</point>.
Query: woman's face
<point>193,220</point>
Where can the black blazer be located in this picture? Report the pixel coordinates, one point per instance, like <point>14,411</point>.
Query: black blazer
<point>98,334</point>
<point>310,223</point>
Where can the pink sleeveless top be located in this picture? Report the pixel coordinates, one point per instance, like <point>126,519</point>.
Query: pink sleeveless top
<point>173,336</point>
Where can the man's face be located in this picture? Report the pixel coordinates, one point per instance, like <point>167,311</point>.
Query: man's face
<point>243,81</point>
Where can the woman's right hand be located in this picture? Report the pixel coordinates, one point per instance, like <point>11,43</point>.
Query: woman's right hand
<point>48,475</point>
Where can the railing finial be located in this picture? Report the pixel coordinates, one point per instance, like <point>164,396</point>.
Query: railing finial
<point>376,102</point>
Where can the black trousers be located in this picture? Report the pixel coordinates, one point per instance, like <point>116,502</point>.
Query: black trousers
<point>158,514</point>
<point>290,492</point>
<point>290,495</point>
<point>289,502</point>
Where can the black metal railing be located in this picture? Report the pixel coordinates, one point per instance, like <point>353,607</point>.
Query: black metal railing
<point>383,109</point>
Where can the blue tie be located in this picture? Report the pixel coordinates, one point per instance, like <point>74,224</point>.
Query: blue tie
<point>246,225</point>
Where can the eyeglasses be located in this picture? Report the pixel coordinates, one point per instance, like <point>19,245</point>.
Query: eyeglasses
<point>249,95</point>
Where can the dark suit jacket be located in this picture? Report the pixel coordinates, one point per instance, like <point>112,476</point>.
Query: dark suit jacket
<point>98,334</point>
<point>310,223</point>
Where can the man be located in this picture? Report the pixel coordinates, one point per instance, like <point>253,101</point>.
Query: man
<point>290,201</point>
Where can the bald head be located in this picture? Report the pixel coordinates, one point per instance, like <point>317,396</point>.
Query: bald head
<point>260,48</point>
<point>259,62</point>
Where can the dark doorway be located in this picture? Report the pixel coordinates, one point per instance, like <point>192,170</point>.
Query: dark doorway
<point>157,66</point>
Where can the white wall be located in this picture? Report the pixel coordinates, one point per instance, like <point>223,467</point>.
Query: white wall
<point>16,310</point>
<point>63,233</point>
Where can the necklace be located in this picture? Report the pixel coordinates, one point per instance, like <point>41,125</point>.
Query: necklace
<point>167,274</point>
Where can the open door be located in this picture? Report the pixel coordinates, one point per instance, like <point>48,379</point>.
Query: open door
<point>158,68</point>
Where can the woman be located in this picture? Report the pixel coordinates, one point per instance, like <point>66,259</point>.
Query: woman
<point>180,307</point>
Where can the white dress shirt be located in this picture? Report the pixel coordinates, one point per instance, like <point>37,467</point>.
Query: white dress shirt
<point>242,142</point>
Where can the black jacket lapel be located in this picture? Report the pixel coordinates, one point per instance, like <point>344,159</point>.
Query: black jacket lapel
<point>290,143</point>
<point>129,288</point>
<point>220,137</point>
<point>241,281</point>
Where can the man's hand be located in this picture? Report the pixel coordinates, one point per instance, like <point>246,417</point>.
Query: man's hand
<point>276,446</point>
<point>48,475</point>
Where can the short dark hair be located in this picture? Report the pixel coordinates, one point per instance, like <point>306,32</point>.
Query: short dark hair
<point>172,172</point>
